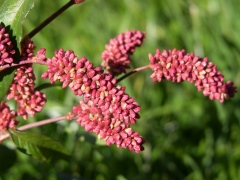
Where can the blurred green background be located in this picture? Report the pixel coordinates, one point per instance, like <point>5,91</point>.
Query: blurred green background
<point>187,136</point>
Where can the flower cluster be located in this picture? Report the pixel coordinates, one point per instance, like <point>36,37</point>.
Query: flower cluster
<point>7,117</point>
<point>105,108</point>
<point>176,65</point>
<point>116,56</point>
<point>22,89</point>
<point>6,48</point>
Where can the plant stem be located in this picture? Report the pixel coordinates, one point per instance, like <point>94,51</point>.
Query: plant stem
<point>32,61</point>
<point>41,123</point>
<point>132,72</point>
<point>52,17</point>
<point>70,116</point>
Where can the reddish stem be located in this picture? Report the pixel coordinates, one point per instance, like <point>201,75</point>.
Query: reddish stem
<point>46,121</point>
<point>53,16</point>
<point>32,61</point>
<point>70,116</point>
<point>132,72</point>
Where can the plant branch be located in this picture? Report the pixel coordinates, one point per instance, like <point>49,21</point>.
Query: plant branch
<point>29,61</point>
<point>41,123</point>
<point>132,72</point>
<point>70,116</point>
<point>52,17</point>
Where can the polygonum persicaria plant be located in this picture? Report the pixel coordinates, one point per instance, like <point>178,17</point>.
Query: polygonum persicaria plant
<point>105,108</point>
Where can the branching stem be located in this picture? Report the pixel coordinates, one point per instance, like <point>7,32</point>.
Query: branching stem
<point>132,72</point>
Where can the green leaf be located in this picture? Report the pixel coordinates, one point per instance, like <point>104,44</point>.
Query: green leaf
<point>6,77</point>
<point>12,14</point>
<point>39,147</point>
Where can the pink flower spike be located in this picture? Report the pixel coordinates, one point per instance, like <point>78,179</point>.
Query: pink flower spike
<point>6,48</point>
<point>29,101</point>
<point>199,71</point>
<point>104,103</point>
<point>7,117</point>
<point>116,57</point>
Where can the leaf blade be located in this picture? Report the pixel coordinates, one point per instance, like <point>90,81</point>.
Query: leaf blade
<point>38,146</point>
<point>13,13</point>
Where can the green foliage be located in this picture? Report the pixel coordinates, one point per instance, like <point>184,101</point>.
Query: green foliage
<point>188,136</point>
<point>6,78</point>
<point>39,147</point>
<point>12,13</point>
